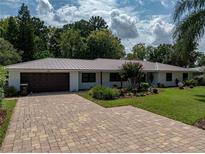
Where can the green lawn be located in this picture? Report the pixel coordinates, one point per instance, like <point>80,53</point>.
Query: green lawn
<point>9,106</point>
<point>186,105</point>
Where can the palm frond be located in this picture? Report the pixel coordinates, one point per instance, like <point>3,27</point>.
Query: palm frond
<point>187,6</point>
<point>192,27</point>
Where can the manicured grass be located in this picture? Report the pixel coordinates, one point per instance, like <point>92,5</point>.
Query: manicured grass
<point>186,105</point>
<point>8,105</point>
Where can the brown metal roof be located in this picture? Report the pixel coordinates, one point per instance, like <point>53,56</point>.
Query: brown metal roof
<point>97,64</point>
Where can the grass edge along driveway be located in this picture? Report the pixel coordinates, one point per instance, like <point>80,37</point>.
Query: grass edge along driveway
<point>187,106</point>
<point>8,105</point>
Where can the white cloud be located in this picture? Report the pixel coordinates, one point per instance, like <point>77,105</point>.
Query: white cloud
<point>70,13</point>
<point>162,30</point>
<point>166,3</point>
<point>124,22</point>
<point>123,25</point>
<point>44,7</point>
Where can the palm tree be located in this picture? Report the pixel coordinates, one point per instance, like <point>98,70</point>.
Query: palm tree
<point>189,17</point>
<point>97,23</point>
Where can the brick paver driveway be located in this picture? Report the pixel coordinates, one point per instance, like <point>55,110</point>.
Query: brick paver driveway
<point>69,123</point>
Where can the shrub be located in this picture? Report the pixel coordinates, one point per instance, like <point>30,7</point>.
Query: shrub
<point>190,82</point>
<point>191,86</point>
<point>115,86</point>
<point>155,91</point>
<point>10,91</point>
<point>200,80</point>
<point>129,89</point>
<point>160,85</point>
<point>104,93</point>
<point>145,85</point>
<point>132,71</point>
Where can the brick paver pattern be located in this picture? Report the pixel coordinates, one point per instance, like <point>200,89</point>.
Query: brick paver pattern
<point>69,123</point>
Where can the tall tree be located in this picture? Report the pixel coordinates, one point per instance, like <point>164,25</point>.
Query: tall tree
<point>189,16</point>
<point>54,41</point>
<point>39,44</point>
<point>97,22</point>
<point>42,54</point>
<point>162,54</point>
<point>12,31</point>
<point>102,44</point>
<point>72,44</point>
<point>133,72</point>
<point>83,26</point>
<point>201,59</point>
<point>8,55</point>
<point>3,27</point>
<point>26,34</point>
<point>185,53</point>
<point>138,52</point>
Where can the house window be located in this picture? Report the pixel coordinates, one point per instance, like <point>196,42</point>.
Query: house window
<point>88,77</point>
<point>185,76</point>
<point>168,76</point>
<point>115,77</point>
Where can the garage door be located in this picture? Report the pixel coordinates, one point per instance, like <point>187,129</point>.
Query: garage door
<point>46,82</point>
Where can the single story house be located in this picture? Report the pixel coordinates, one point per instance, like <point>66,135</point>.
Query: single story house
<point>60,74</point>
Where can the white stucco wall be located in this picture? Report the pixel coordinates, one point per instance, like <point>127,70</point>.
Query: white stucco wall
<point>155,78</point>
<point>175,75</point>
<point>14,79</point>
<point>105,81</point>
<point>74,81</point>
<point>88,85</point>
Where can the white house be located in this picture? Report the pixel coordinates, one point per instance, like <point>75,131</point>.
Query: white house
<point>58,74</point>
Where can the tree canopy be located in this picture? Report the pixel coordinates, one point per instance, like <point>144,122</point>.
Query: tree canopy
<point>8,54</point>
<point>73,45</point>
<point>32,39</point>
<point>138,52</point>
<point>133,72</point>
<point>189,17</point>
<point>26,34</point>
<point>102,44</point>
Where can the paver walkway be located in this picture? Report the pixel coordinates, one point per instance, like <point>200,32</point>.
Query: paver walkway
<point>69,123</point>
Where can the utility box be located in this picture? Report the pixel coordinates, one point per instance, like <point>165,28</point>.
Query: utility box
<point>24,89</point>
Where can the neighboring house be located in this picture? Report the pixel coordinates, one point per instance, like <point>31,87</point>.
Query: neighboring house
<point>198,71</point>
<point>58,74</point>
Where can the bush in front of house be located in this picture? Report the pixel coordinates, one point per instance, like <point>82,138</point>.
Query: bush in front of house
<point>155,91</point>
<point>200,80</point>
<point>133,72</point>
<point>145,86</point>
<point>190,83</point>
<point>104,93</point>
<point>10,91</point>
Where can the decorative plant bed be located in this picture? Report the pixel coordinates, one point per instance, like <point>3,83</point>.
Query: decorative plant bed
<point>200,124</point>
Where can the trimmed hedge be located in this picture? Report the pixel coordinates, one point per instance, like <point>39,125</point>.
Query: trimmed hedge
<point>10,91</point>
<point>145,85</point>
<point>104,93</point>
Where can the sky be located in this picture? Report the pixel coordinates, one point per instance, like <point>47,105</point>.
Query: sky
<point>133,21</point>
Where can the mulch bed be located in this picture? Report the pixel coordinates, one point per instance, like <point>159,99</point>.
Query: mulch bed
<point>200,124</point>
<point>2,116</point>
